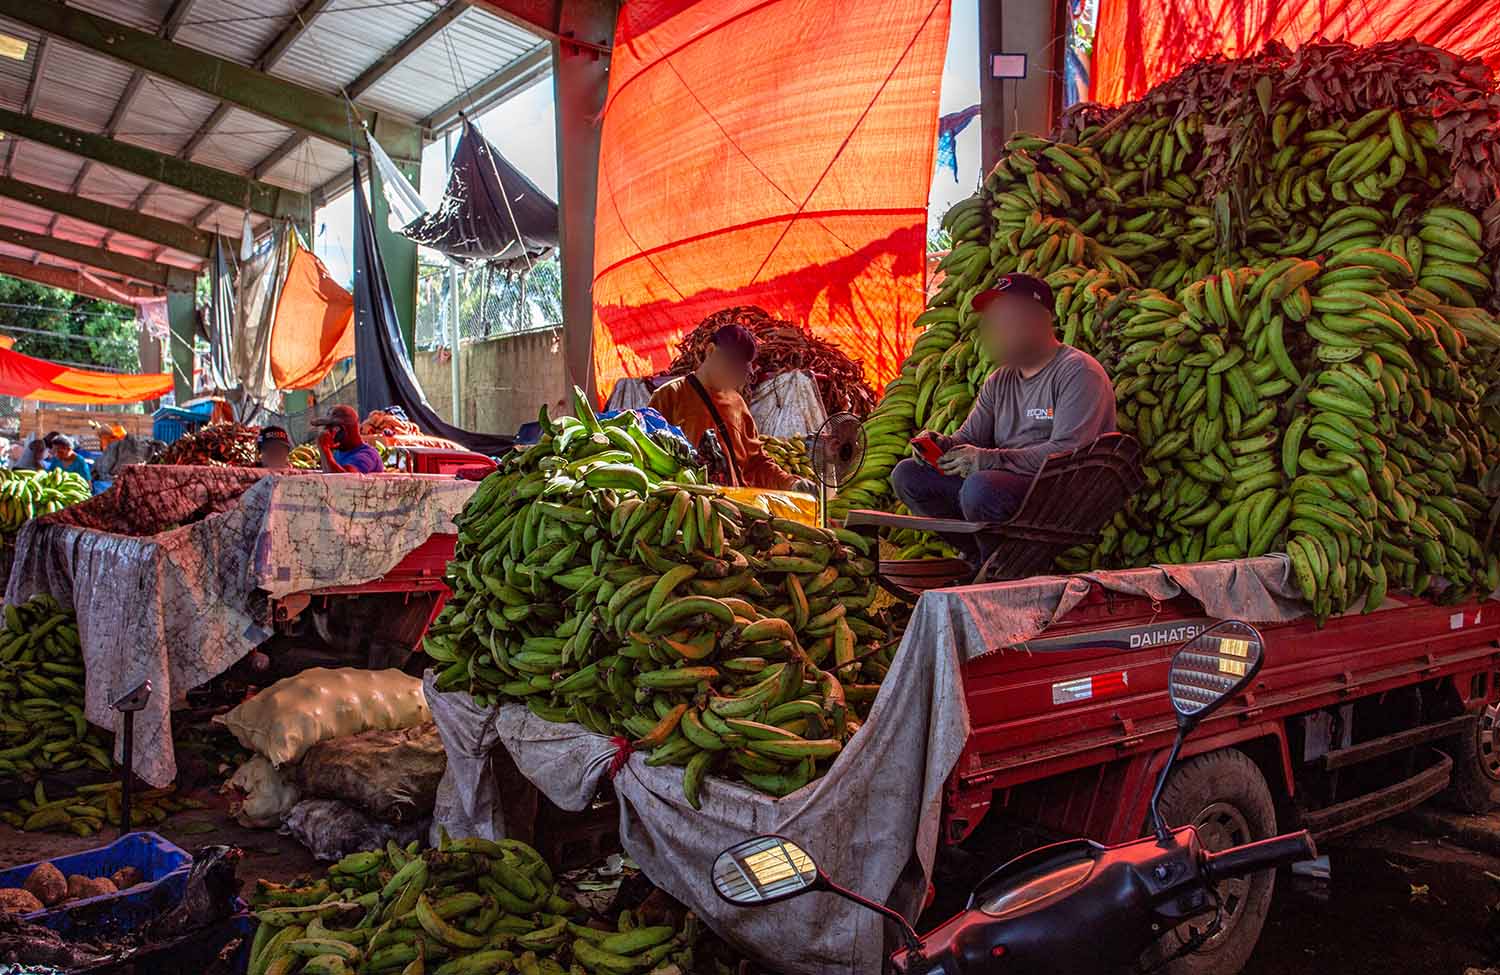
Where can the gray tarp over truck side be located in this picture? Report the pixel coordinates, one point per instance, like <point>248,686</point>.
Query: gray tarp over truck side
<point>872,821</point>
<point>162,569</point>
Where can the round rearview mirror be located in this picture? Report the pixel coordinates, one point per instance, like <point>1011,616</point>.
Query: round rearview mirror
<point>763,870</point>
<point>1212,667</point>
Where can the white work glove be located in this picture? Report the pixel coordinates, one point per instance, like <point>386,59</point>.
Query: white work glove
<point>965,459</point>
<point>805,485</point>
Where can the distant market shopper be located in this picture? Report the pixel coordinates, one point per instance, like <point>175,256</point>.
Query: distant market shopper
<point>274,448</point>
<point>343,448</point>
<point>65,458</point>
<point>709,399</point>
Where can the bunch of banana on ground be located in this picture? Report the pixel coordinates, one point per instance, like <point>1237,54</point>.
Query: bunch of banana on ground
<point>469,907</point>
<point>605,587</point>
<point>24,494</point>
<point>1307,369</point>
<point>790,454</point>
<point>42,727</point>
<point>89,808</point>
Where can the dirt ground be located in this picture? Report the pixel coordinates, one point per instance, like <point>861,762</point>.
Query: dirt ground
<point>1413,897</point>
<point>267,855</point>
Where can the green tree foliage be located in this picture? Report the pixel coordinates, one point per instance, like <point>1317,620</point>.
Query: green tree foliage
<point>110,329</point>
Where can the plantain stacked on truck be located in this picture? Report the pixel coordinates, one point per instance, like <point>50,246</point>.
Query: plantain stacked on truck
<point>1291,290</point>
<point>42,725</point>
<point>469,907</point>
<point>597,580</point>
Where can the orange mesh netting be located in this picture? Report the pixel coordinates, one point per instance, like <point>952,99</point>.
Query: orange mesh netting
<point>767,152</point>
<point>314,326</point>
<point>27,378</point>
<point>1139,43</point>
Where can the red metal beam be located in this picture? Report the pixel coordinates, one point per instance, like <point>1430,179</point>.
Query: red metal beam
<point>70,280</point>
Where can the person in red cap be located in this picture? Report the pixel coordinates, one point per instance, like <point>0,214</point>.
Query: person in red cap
<point>709,399</point>
<point>343,448</point>
<point>1044,398</point>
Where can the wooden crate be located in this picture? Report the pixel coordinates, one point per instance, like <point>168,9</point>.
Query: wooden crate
<point>42,420</point>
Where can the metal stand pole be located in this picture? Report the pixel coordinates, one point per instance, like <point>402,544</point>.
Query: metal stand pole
<point>128,705</point>
<point>125,771</point>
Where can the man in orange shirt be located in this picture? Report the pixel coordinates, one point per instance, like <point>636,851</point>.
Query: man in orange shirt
<point>709,399</point>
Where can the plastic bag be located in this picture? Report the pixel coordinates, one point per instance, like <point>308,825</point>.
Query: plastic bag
<point>331,829</point>
<point>266,794</point>
<point>793,505</point>
<point>292,715</point>
<point>392,775</point>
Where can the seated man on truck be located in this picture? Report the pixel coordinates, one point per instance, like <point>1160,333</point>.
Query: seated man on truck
<point>343,447</point>
<point>709,399</point>
<point>1044,398</point>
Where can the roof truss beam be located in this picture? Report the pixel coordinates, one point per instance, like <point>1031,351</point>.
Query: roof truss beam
<point>498,88</point>
<point>189,240</point>
<point>71,279</point>
<point>146,272</point>
<point>301,20</point>
<point>205,181</point>
<point>301,108</point>
<point>369,77</point>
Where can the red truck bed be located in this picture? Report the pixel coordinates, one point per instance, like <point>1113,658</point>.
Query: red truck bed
<point>1069,730</point>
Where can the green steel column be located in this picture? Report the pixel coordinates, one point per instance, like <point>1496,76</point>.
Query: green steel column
<point>180,316</point>
<point>399,254</point>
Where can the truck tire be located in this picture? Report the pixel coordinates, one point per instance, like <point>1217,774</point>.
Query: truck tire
<point>1224,794</point>
<point>1475,787</point>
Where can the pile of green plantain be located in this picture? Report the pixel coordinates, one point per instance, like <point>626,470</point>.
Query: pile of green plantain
<point>470,907</point>
<point>597,580</point>
<point>42,727</point>
<point>1290,290</point>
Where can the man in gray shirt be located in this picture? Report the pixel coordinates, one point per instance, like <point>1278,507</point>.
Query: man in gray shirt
<point>1045,398</point>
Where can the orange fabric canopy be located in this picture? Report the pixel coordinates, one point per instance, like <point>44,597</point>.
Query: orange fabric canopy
<point>27,378</point>
<point>314,325</point>
<point>767,152</point>
<point>1138,43</point>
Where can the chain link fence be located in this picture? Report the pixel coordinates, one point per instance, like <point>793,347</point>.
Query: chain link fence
<point>492,302</point>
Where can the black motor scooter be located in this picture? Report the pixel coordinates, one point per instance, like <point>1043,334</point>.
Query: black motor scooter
<point>1072,908</point>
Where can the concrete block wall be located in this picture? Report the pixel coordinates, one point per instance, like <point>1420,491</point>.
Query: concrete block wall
<point>502,381</point>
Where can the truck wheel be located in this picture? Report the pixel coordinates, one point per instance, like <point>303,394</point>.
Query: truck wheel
<point>1476,765</point>
<point>1225,796</point>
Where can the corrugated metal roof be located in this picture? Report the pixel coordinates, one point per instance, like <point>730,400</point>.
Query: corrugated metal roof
<point>83,90</point>
<point>235,29</point>
<point>463,54</point>
<point>348,37</point>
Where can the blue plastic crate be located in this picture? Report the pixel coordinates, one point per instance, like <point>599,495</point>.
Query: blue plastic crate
<point>164,868</point>
<point>169,423</point>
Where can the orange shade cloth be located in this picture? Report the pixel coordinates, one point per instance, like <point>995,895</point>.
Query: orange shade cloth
<point>314,325</point>
<point>768,152</point>
<point>27,378</point>
<point>1139,43</point>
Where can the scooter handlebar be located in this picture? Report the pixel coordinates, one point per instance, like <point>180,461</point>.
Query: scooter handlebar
<point>1262,855</point>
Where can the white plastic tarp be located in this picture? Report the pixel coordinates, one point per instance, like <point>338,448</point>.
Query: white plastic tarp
<point>787,405</point>
<point>174,608</point>
<point>872,820</point>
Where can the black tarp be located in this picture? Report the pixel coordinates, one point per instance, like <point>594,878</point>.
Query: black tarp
<point>383,374</point>
<point>473,223</point>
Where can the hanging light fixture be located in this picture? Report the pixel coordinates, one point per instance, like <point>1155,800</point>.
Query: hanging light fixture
<point>13,47</point>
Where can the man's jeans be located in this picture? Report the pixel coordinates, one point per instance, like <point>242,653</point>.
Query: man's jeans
<point>982,496</point>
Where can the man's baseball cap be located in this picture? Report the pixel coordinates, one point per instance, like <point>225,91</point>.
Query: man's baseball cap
<point>273,435</point>
<point>738,341</point>
<point>339,416</point>
<point>1019,285</point>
